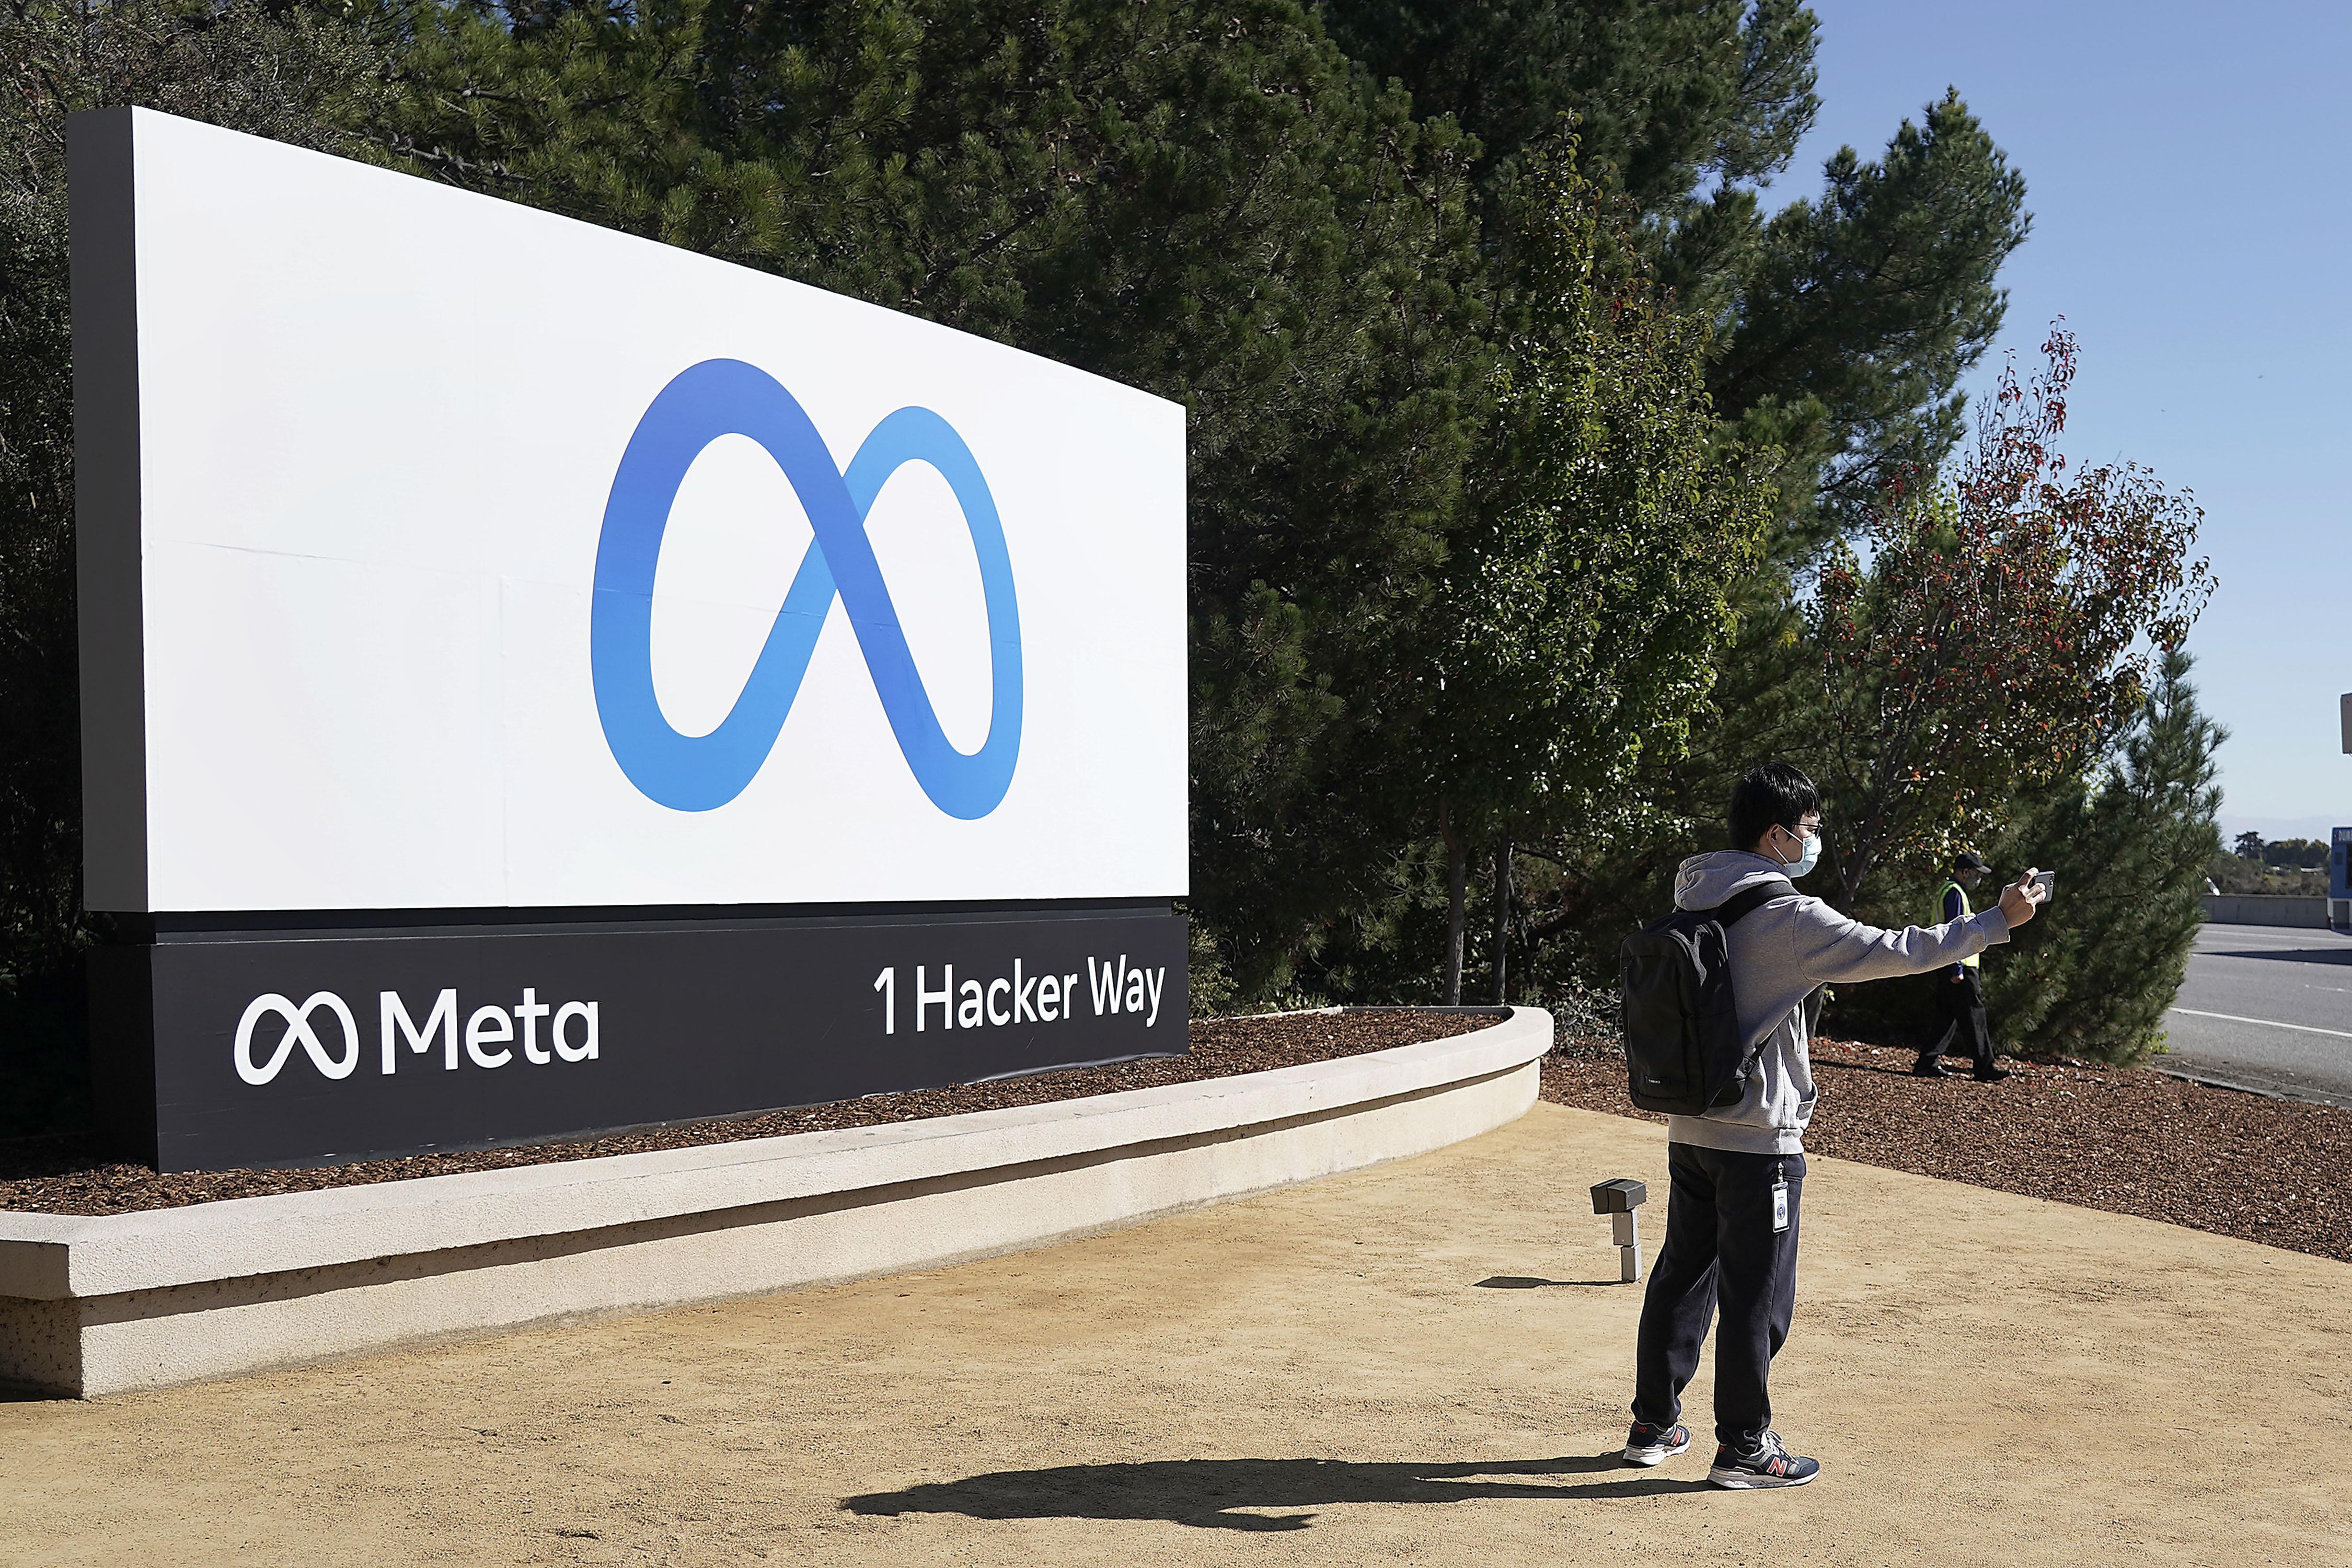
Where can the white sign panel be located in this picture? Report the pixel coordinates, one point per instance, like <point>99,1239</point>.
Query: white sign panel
<point>441,553</point>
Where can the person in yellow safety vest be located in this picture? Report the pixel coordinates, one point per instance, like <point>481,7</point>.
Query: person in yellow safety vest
<point>1959,1019</point>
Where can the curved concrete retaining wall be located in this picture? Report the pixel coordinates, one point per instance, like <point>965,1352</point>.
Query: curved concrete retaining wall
<point>94,1305</point>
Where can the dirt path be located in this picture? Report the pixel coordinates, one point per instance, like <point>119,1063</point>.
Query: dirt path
<point>1313,1376</point>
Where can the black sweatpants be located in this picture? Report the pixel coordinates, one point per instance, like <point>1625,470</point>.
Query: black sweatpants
<point>1721,1256</point>
<point>1960,1010</point>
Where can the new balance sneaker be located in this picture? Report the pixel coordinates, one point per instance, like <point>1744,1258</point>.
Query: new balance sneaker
<point>1648,1445</point>
<point>1769,1464</point>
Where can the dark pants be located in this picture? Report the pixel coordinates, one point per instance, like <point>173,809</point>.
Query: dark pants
<point>1959,1010</point>
<point>1721,1255</point>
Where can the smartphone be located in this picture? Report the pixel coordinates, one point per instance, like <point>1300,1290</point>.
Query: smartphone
<point>2047,881</point>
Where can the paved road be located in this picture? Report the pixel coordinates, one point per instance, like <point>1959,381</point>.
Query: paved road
<point>2267,1007</point>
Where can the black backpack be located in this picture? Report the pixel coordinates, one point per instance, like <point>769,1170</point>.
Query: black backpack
<point>1683,1051</point>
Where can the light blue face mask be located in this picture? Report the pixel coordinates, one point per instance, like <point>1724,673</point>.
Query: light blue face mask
<point>1811,858</point>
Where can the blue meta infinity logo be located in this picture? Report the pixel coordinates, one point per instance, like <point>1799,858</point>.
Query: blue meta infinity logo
<point>699,772</point>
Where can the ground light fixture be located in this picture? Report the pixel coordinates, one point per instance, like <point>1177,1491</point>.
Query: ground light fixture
<point>1620,1198</point>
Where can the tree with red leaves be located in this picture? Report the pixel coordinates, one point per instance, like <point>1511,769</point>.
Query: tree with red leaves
<point>1996,628</point>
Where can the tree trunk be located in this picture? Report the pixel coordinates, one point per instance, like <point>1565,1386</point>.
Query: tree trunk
<point>1457,877</point>
<point>1502,915</point>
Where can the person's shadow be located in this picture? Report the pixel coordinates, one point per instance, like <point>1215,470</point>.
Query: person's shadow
<point>1527,1282</point>
<point>1205,1493</point>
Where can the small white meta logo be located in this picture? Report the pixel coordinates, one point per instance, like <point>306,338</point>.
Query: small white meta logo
<point>490,1032</point>
<point>297,1030</point>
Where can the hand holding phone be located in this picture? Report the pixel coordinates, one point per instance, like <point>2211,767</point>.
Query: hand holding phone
<point>2020,899</point>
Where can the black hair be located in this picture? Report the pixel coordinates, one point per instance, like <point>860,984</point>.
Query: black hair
<point>1775,795</point>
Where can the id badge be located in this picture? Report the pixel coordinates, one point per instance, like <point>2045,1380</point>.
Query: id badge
<point>1779,1205</point>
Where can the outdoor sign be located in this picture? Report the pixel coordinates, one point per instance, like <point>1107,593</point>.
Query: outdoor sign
<point>489,616</point>
<point>293,1049</point>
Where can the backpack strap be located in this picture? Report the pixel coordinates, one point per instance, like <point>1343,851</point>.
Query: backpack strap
<point>1741,905</point>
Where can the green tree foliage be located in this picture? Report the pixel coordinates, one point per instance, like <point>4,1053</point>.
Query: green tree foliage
<point>1845,321</point>
<point>2301,853</point>
<point>264,70</point>
<point>2094,975</point>
<point>1858,313</point>
<point>1842,325</point>
<point>2287,869</point>
<point>1588,597</point>
<point>1984,678</point>
<point>1666,95</point>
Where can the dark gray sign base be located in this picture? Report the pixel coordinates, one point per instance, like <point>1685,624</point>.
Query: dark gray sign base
<point>222,1049</point>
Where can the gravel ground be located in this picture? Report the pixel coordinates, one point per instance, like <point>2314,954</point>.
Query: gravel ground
<point>1423,1363</point>
<point>2130,1142</point>
<point>67,1175</point>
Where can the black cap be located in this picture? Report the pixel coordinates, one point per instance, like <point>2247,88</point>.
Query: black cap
<point>1970,860</point>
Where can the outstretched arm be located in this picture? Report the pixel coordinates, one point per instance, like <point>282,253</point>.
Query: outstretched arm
<point>1829,947</point>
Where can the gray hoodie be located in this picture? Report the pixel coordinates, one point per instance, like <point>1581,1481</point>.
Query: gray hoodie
<point>1779,953</point>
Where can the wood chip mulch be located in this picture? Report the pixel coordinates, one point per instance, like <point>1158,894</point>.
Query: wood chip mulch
<point>2131,1141</point>
<point>65,1175</point>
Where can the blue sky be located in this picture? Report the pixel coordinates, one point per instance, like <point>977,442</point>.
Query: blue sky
<point>2192,219</point>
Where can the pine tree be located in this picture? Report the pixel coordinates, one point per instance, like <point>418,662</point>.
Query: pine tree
<point>2094,975</point>
<point>1846,321</point>
<point>1665,95</point>
<point>1858,313</point>
<point>2129,839</point>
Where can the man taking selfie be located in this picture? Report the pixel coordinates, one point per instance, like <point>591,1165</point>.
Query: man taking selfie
<point>1739,1171</point>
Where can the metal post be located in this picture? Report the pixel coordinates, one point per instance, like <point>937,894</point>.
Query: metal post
<point>1627,1228</point>
<point>1619,1198</point>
